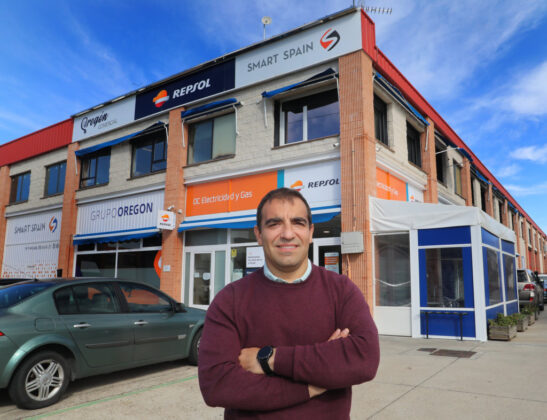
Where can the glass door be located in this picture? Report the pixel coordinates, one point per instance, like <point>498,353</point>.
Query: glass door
<point>327,252</point>
<point>201,278</point>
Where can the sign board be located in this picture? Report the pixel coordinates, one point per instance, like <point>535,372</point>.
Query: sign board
<point>186,89</point>
<point>352,242</point>
<point>414,194</point>
<point>332,261</point>
<point>126,213</point>
<point>303,49</point>
<point>389,187</point>
<point>32,245</point>
<point>319,183</point>
<point>230,195</point>
<point>255,257</point>
<point>104,119</point>
<point>166,220</point>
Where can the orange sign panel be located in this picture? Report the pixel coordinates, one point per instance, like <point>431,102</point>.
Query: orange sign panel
<point>389,187</point>
<point>230,195</point>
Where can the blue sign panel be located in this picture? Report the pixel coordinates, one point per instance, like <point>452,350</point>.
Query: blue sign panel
<point>186,89</point>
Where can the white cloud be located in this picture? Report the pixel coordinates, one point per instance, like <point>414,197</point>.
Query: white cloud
<point>529,94</point>
<point>533,153</point>
<point>507,171</point>
<point>527,190</point>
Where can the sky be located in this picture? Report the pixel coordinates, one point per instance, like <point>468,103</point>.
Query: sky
<point>481,64</point>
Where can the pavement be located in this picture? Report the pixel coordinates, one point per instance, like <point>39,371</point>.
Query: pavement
<point>500,380</point>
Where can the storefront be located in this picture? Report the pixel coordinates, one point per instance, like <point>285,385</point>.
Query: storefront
<point>32,244</point>
<point>118,237</point>
<point>439,270</point>
<point>219,242</point>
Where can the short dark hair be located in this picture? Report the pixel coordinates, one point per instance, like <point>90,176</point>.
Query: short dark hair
<point>284,193</point>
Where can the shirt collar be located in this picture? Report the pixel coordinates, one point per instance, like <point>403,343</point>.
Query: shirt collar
<point>273,277</point>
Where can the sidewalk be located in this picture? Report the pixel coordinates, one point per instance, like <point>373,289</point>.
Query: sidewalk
<point>501,380</point>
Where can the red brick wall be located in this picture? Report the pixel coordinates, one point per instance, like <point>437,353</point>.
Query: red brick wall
<point>5,186</point>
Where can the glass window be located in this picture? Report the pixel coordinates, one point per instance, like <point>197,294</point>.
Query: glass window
<point>95,169</point>
<point>15,293</point>
<point>138,266</point>
<point>55,179</point>
<point>392,270</point>
<point>212,139</point>
<point>130,244</point>
<point>20,187</point>
<point>483,198</point>
<point>457,178</point>
<point>202,279</point>
<point>509,273</point>
<point>95,265</point>
<point>90,299</point>
<point>238,236</point>
<point>444,273</point>
<point>440,152</point>
<point>311,117</point>
<point>86,247</point>
<point>152,241</point>
<point>206,237</point>
<point>494,289</point>
<point>380,120</point>
<point>238,262</point>
<point>142,299</point>
<point>413,145</point>
<point>149,154</point>
<point>329,229</point>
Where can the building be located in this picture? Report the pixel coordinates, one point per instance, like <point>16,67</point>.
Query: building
<point>161,184</point>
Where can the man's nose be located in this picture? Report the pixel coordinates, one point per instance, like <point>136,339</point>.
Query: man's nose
<point>288,231</point>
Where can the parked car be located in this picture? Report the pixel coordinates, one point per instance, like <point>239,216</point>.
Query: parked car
<point>543,278</point>
<point>54,331</point>
<point>530,289</point>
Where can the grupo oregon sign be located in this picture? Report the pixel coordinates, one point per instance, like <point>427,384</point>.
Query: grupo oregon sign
<point>304,49</point>
<point>127,213</point>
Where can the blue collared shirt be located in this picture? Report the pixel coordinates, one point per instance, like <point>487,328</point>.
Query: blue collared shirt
<point>273,277</point>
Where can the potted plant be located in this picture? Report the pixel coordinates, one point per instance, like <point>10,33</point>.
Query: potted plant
<point>531,312</point>
<point>521,320</point>
<point>502,328</point>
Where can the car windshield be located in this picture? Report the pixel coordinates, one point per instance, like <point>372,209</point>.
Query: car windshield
<point>15,293</point>
<point>522,276</point>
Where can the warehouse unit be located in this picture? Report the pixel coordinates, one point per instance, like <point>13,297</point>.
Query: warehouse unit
<point>161,184</point>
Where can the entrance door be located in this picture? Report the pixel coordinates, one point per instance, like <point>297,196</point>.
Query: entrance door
<point>327,252</point>
<point>201,279</point>
<point>392,284</point>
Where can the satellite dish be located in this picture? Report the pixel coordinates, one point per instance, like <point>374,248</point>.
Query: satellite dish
<point>266,20</point>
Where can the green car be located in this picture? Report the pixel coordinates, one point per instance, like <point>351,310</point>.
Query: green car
<point>54,331</point>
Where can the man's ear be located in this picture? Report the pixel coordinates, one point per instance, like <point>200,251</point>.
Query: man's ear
<point>257,235</point>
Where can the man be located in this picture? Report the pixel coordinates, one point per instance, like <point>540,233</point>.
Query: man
<point>289,340</point>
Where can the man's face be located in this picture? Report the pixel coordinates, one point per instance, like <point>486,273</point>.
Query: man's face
<point>285,236</point>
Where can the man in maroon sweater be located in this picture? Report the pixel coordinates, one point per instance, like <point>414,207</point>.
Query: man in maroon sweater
<point>289,340</point>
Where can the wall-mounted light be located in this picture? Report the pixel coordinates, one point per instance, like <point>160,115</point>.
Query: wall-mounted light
<point>170,208</point>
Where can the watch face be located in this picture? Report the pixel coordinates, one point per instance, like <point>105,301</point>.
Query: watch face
<point>265,352</point>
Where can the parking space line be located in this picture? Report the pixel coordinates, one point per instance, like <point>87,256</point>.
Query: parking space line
<point>102,400</point>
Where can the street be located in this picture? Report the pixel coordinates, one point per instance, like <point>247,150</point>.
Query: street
<point>500,380</point>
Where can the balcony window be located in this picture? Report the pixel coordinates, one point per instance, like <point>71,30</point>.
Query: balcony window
<point>95,169</point>
<point>149,154</point>
<point>413,145</point>
<point>55,179</point>
<point>20,187</point>
<point>212,139</point>
<point>380,120</point>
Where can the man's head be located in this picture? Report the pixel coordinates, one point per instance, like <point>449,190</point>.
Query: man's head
<point>285,231</point>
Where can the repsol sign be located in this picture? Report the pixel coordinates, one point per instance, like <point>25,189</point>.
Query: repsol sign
<point>186,89</point>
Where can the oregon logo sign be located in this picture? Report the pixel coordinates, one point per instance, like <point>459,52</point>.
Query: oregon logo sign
<point>330,39</point>
<point>53,224</point>
<point>161,98</point>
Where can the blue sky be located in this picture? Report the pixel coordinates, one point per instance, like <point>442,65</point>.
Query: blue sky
<point>482,65</point>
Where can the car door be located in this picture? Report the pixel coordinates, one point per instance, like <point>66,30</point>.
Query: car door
<point>92,314</point>
<point>160,332</point>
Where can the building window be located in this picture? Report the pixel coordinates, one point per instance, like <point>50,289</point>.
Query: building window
<point>484,195</point>
<point>149,154</point>
<point>95,169</point>
<point>392,269</point>
<point>413,145</point>
<point>457,178</point>
<point>311,117</point>
<point>55,179</point>
<point>473,200</point>
<point>500,211</point>
<point>440,151</point>
<point>212,139</point>
<point>20,186</point>
<point>494,289</point>
<point>380,120</point>
<point>510,278</point>
<point>444,273</point>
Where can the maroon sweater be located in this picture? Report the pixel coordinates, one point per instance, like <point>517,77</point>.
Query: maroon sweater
<point>297,319</point>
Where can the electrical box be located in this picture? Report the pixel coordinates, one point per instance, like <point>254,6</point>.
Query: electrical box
<point>352,242</point>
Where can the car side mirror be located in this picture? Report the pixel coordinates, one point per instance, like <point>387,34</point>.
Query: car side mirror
<point>179,307</point>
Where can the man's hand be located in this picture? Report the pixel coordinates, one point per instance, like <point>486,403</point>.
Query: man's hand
<point>339,334</point>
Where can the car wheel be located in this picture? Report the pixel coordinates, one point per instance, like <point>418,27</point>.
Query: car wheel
<point>40,381</point>
<point>194,349</point>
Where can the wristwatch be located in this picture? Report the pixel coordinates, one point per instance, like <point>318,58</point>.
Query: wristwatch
<point>263,356</point>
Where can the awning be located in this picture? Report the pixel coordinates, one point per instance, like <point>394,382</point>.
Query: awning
<point>399,96</point>
<point>479,175</point>
<point>207,108</point>
<point>97,147</point>
<point>248,221</point>
<point>450,143</point>
<point>512,207</point>
<point>115,236</point>
<point>325,75</point>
